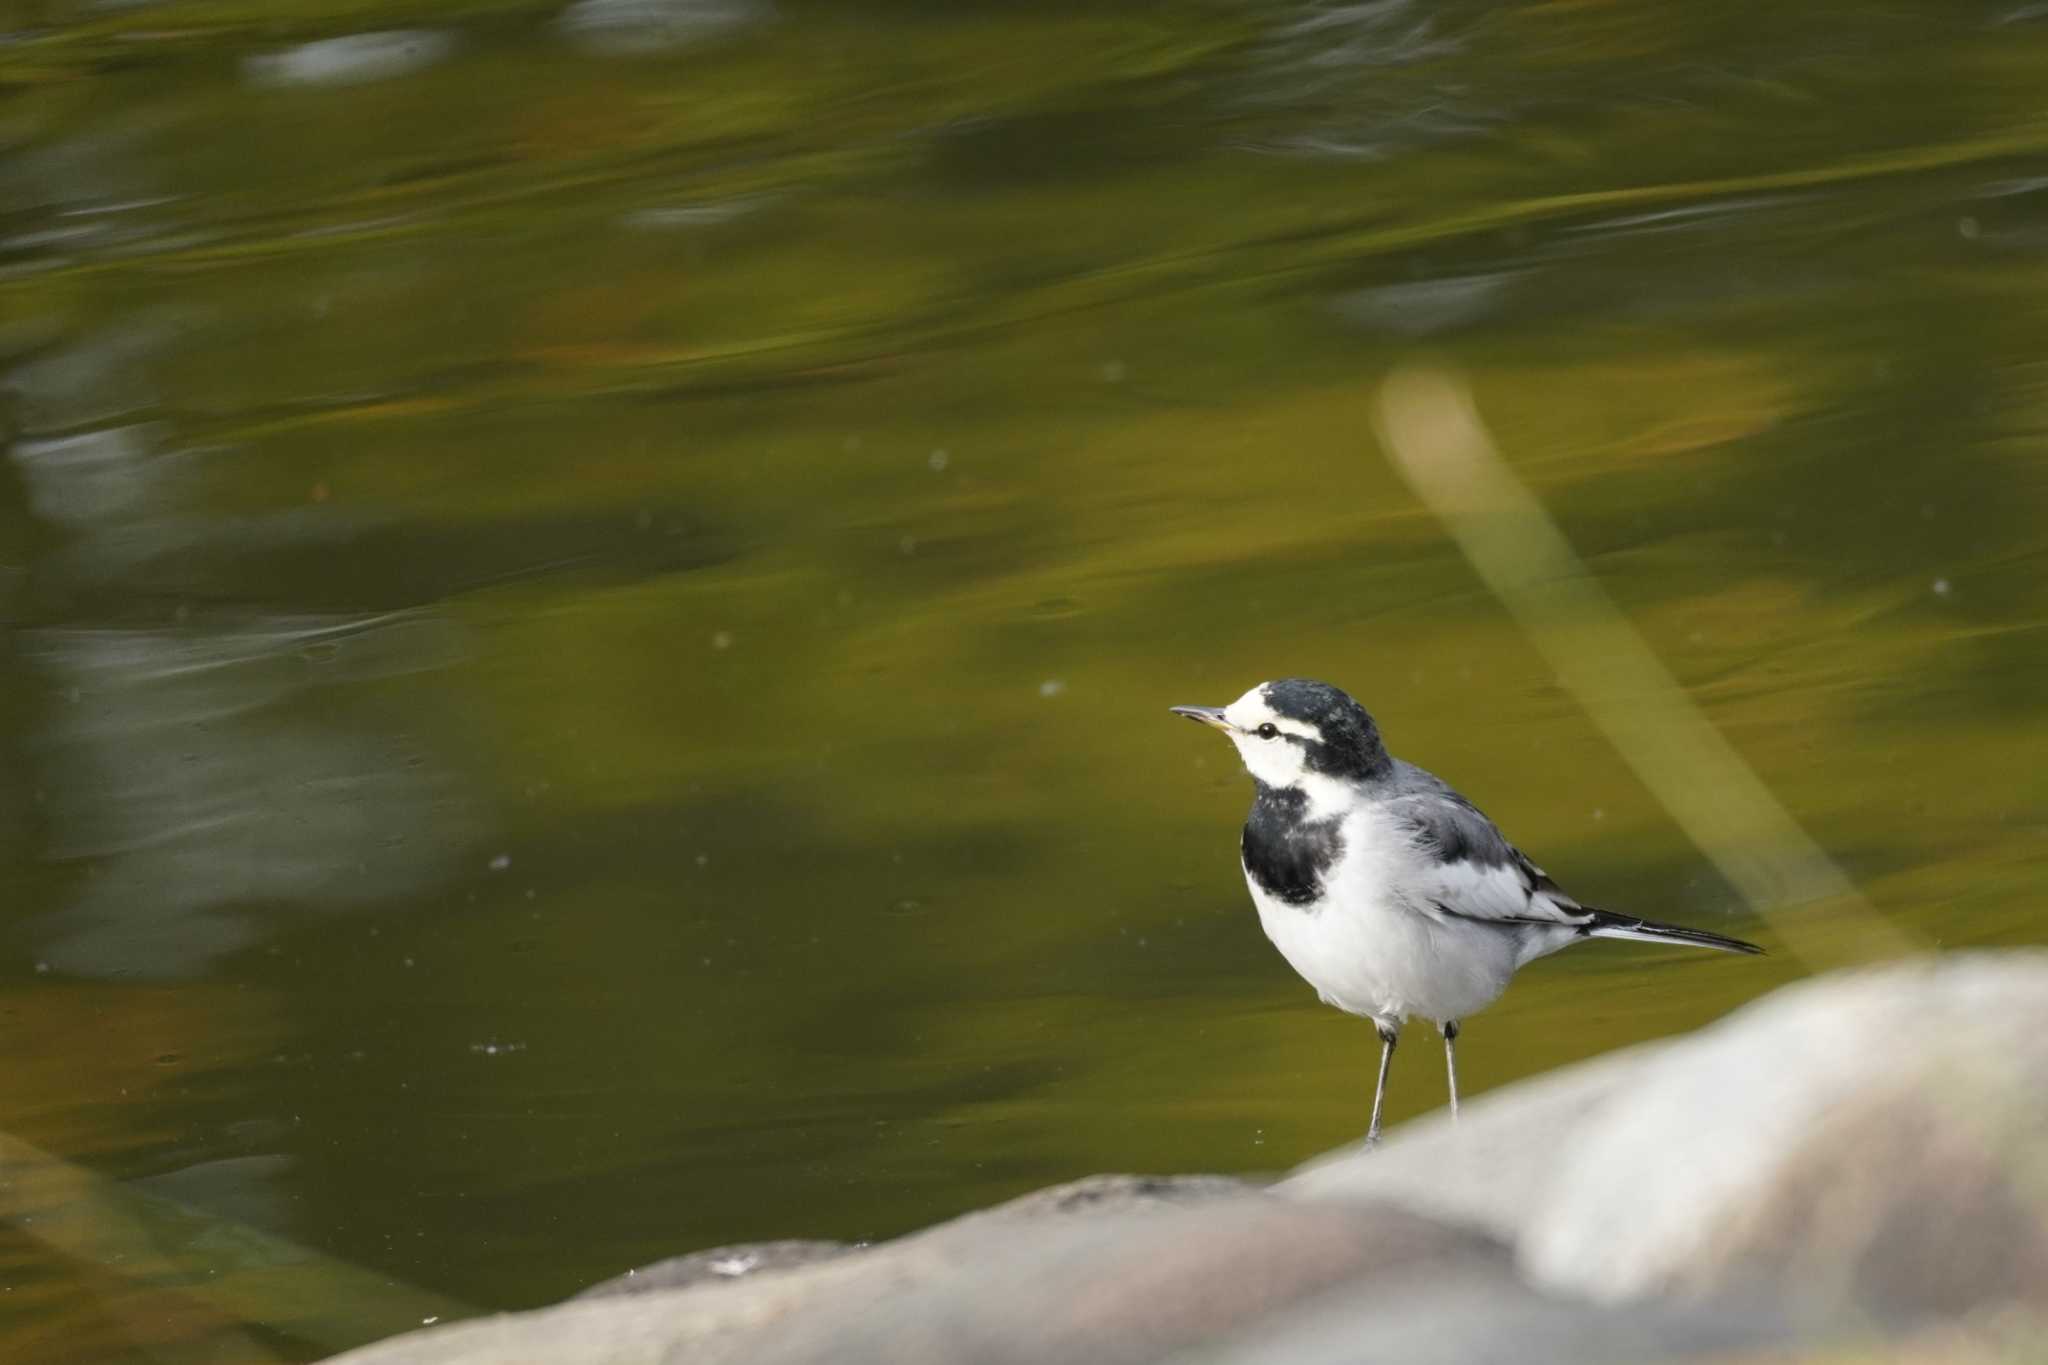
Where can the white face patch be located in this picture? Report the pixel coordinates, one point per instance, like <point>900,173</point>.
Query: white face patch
<point>1277,762</point>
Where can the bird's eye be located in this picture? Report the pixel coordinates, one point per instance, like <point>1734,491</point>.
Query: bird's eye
<point>1268,731</point>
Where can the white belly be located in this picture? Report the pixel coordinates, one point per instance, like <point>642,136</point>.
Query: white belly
<point>1369,954</point>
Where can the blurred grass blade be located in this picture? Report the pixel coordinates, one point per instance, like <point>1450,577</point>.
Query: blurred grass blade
<point>1432,432</point>
<point>251,1276</point>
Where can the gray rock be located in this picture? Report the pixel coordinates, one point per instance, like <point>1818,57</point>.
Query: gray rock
<point>1865,1144</point>
<point>717,1264</point>
<point>1095,1193</point>
<point>1112,1271</point>
<point>1463,1319</point>
<point>1107,1193</point>
<point>1870,1139</point>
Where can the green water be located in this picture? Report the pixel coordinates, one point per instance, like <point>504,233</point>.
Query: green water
<point>590,612</point>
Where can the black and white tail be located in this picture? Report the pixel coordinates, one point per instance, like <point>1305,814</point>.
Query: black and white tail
<point>1607,924</point>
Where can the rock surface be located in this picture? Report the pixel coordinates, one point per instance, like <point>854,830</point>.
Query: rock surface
<point>717,1265</point>
<point>1462,1320</point>
<point>1870,1143</point>
<point>1096,1193</point>
<point>1125,1269</point>
<point>1856,1166</point>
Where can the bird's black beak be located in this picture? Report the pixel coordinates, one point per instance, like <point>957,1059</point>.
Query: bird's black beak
<point>1208,715</point>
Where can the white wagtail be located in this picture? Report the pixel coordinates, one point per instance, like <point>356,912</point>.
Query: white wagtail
<point>1387,891</point>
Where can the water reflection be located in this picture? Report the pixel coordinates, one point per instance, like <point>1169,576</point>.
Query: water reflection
<point>353,60</point>
<point>594,610</point>
<point>207,775</point>
<point>1364,80</point>
<point>641,28</point>
<point>202,775</point>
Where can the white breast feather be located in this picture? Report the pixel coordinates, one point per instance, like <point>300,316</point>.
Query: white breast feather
<point>1376,944</point>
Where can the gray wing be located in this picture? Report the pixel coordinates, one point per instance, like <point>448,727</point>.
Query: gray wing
<point>1469,870</point>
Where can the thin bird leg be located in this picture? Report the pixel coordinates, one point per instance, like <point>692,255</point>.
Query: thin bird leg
<point>1389,1035</point>
<point>1451,1062</point>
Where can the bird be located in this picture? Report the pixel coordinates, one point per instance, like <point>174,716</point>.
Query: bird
<point>1382,886</point>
